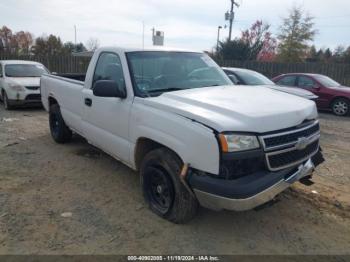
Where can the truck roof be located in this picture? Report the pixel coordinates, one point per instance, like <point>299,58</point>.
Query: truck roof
<point>16,62</point>
<point>127,49</point>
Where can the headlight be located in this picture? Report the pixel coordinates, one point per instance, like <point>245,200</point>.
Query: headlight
<point>236,142</point>
<point>16,87</point>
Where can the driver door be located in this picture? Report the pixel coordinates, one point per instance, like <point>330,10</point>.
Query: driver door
<point>106,119</point>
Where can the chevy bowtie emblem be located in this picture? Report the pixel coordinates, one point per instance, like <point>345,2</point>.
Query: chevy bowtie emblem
<point>302,143</point>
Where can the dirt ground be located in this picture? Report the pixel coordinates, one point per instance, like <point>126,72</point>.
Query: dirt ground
<point>41,180</point>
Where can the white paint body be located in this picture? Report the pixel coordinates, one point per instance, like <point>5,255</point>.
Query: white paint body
<point>185,121</point>
<point>5,81</point>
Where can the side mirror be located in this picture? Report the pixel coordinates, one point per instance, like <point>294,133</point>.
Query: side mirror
<point>107,88</point>
<point>234,79</point>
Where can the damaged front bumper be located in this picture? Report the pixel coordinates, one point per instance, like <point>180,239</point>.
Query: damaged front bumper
<point>247,192</point>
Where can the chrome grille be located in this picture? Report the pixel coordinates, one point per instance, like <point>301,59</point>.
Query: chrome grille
<point>289,138</point>
<point>290,148</point>
<point>290,157</point>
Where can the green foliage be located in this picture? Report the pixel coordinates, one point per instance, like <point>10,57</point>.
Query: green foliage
<point>234,50</point>
<point>53,45</point>
<point>339,55</point>
<point>22,43</point>
<point>295,34</point>
<point>254,43</point>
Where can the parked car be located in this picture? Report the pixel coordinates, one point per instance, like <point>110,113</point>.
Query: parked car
<point>20,82</point>
<point>240,76</point>
<point>194,137</point>
<point>331,95</point>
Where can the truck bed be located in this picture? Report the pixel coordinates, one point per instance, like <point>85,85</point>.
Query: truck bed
<point>75,76</point>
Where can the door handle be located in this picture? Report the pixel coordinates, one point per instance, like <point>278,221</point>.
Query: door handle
<point>88,101</point>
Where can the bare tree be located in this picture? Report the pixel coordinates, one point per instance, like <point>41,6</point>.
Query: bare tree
<point>24,41</point>
<point>92,44</point>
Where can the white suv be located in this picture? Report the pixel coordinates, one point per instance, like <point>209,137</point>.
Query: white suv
<point>20,82</point>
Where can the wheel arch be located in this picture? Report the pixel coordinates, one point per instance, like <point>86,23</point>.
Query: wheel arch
<point>144,145</point>
<point>52,101</point>
<point>338,97</point>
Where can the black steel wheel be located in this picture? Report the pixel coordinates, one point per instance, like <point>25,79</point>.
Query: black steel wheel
<point>7,103</point>
<point>163,189</point>
<point>59,130</point>
<point>159,189</point>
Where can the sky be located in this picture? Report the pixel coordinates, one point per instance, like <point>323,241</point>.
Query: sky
<point>190,24</point>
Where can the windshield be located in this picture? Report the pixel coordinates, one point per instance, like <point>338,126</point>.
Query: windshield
<point>22,70</point>
<point>326,81</point>
<point>253,78</point>
<point>155,72</point>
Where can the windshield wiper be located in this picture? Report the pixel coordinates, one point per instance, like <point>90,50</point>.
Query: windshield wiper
<point>165,89</point>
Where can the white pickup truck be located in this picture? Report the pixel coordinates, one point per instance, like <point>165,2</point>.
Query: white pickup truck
<point>194,137</point>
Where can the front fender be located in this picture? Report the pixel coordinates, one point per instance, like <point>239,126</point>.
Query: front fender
<point>193,142</point>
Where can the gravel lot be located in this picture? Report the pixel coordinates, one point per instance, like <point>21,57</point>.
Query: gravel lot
<point>105,212</point>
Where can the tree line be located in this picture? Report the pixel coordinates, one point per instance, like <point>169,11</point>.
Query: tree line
<point>24,43</point>
<point>292,43</point>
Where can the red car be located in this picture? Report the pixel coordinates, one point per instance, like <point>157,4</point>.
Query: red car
<point>331,95</point>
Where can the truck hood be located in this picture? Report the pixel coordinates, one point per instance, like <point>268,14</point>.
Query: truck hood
<point>24,81</point>
<point>294,91</point>
<point>237,108</point>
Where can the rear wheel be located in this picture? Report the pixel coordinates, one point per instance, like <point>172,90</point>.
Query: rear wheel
<point>340,106</point>
<point>7,103</point>
<point>58,128</point>
<point>162,188</point>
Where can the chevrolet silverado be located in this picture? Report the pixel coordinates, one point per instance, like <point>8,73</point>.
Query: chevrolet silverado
<point>195,138</point>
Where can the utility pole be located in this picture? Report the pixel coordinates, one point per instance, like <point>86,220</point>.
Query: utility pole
<point>230,16</point>
<point>218,39</point>
<point>143,34</point>
<point>75,38</point>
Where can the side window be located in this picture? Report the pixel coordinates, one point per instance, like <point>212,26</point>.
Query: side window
<point>109,67</point>
<point>304,81</point>
<point>1,75</point>
<point>287,81</point>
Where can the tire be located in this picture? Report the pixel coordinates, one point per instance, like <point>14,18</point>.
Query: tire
<point>162,188</point>
<point>7,103</point>
<point>59,131</point>
<point>341,106</point>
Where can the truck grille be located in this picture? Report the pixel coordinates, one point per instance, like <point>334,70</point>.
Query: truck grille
<point>292,157</point>
<point>32,87</point>
<point>289,148</point>
<point>279,140</point>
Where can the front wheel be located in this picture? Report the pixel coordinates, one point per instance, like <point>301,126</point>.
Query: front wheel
<point>162,188</point>
<point>340,107</point>
<point>58,128</point>
<point>7,103</point>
